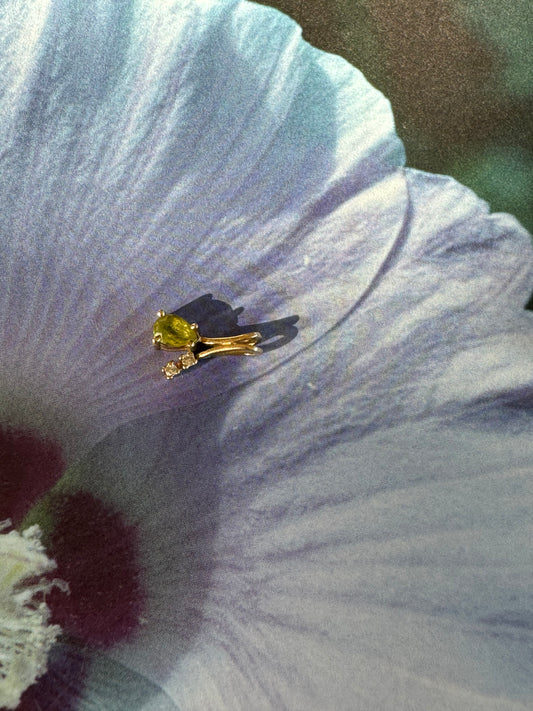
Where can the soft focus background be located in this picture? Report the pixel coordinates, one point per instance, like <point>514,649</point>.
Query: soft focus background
<point>459,75</point>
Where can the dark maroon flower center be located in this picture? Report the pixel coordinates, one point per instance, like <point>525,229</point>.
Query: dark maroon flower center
<point>96,554</point>
<point>29,467</point>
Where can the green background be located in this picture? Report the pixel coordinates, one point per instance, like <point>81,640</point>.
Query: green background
<point>459,75</point>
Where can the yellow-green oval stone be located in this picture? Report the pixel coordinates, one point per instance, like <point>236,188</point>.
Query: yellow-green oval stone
<point>174,331</point>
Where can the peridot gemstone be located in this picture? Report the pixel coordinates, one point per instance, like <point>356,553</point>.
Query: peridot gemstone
<point>174,332</point>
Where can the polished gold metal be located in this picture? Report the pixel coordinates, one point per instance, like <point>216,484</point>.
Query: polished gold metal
<point>179,335</point>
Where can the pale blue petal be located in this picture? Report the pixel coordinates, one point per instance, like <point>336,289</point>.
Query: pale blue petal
<point>86,680</point>
<point>113,687</point>
<point>155,152</point>
<point>390,571</point>
<point>351,531</point>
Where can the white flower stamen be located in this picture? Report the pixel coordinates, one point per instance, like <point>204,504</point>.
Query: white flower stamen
<point>25,635</point>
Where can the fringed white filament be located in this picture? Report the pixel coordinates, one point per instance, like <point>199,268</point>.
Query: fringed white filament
<point>25,635</point>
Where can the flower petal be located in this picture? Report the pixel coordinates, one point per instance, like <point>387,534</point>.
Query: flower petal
<point>155,153</point>
<point>79,680</point>
<point>301,547</point>
<point>61,688</point>
<point>391,569</point>
<point>113,687</point>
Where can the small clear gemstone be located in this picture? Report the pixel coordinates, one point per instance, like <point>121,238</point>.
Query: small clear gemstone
<point>171,369</point>
<point>188,359</point>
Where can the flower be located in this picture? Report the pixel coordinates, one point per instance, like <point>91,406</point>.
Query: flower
<point>340,523</point>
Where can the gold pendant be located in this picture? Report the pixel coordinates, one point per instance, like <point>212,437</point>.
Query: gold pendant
<point>173,333</point>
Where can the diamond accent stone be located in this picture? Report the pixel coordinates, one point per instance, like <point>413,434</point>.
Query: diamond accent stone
<point>188,359</point>
<point>171,369</point>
